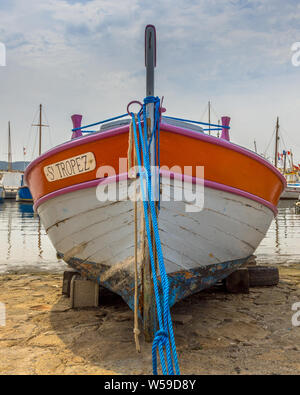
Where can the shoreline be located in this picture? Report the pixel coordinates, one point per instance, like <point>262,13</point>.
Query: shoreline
<point>215,332</point>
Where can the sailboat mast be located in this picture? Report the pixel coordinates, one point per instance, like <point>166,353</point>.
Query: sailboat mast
<point>9,159</point>
<point>209,117</point>
<point>276,142</point>
<point>40,131</point>
<point>255,146</point>
<point>40,126</point>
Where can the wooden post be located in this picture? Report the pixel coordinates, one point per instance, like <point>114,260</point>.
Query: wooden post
<point>148,293</point>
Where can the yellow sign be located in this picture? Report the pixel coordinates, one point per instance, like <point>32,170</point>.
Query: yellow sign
<point>70,167</point>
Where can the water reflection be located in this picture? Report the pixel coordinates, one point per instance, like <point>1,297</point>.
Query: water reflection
<point>282,242</point>
<point>24,244</point>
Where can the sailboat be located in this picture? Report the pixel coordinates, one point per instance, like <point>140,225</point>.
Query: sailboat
<point>11,179</point>
<point>24,194</point>
<point>202,241</point>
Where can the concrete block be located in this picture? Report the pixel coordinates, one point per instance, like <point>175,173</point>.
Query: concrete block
<point>84,293</point>
<point>68,275</point>
<point>238,281</point>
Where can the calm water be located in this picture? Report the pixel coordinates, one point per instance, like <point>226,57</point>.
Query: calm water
<point>282,242</point>
<point>24,245</point>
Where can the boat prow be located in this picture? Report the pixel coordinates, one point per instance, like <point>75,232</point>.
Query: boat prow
<point>240,194</point>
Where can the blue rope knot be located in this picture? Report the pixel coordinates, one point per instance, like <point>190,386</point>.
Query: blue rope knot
<point>161,339</point>
<point>151,99</point>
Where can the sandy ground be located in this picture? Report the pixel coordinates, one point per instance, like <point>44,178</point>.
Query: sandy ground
<point>221,334</point>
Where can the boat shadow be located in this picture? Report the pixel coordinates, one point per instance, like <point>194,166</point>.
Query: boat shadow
<point>101,339</point>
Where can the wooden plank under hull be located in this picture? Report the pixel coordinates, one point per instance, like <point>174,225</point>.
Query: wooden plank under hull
<point>199,248</point>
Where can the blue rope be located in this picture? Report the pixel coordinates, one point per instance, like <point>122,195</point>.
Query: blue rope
<point>200,123</point>
<point>164,338</point>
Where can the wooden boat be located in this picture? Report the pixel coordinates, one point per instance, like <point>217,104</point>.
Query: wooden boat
<point>200,246</point>
<point>23,193</point>
<point>10,182</point>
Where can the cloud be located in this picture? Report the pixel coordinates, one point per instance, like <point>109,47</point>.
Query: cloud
<point>87,56</point>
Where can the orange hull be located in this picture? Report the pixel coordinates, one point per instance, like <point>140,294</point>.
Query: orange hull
<point>224,163</point>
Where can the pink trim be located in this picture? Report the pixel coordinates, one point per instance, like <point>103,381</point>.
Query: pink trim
<point>169,128</point>
<point>223,143</point>
<point>76,119</point>
<point>221,187</point>
<point>78,187</point>
<point>225,131</point>
<point>164,173</point>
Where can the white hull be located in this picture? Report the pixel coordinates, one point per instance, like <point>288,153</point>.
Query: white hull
<point>100,236</point>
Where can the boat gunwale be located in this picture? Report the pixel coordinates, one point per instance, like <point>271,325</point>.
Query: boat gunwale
<point>164,126</point>
<point>164,173</point>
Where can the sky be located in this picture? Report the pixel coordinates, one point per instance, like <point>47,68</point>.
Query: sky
<point>87,57</point>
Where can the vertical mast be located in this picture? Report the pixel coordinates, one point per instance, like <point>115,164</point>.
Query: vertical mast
<point>9,159</point>
<point>209,117</point>
<point>292,160</point>
<point>255,147</point>
<point>148,304</point>
<point>40,131</point>
<point>40,126</point>
<point>276,142</point>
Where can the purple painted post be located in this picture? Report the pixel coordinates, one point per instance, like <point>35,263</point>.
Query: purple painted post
<point>225,132</point>
<point>76,119</point>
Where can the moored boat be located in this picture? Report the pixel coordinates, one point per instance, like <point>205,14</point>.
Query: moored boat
<point>292,192</point>
<point>10,183</point>
<point>203,240</point>
<point>1,193</point>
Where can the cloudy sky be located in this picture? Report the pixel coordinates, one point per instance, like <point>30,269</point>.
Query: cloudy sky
<point>87,57</point>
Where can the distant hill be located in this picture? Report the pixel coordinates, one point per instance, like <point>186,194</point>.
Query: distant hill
<point>15,165</point>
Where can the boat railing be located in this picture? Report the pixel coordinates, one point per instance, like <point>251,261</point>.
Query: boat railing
<point>79,130</point>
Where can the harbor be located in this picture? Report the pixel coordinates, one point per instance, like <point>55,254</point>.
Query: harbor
<point>225,333</point>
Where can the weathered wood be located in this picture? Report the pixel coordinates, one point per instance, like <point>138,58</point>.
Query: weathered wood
<point>238,281</point>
